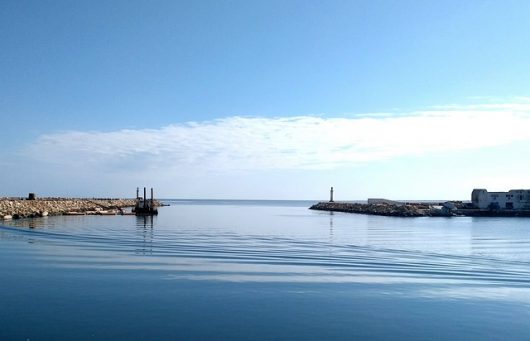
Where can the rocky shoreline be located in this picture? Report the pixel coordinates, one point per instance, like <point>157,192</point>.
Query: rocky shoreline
<point>405,210</point>
<point>16,208</point>
<point>445,209</point>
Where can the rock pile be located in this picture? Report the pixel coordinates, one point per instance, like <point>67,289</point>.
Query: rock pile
<point>21,208</point>
<point>385,209</point>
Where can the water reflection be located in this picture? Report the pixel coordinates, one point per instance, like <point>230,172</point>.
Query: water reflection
<point>501,238</point>
<point>27,222</point>
<point>145,221</point>
<point>144,228</point>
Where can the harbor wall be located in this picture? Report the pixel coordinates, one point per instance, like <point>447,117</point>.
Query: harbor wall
<point>385,209</point>
<point>14,208</point>
<point>447,209</point>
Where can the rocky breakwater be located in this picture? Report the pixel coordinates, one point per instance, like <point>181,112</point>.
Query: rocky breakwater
<point>21,208</point>
<point>384,209</point>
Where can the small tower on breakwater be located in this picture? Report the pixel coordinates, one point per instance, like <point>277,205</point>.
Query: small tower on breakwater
<point>331,195</point>
<point>143,205</point>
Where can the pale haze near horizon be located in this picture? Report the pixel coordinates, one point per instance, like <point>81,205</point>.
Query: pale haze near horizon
<point>270,100</point>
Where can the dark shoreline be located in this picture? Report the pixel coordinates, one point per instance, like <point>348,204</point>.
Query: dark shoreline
<point>415,210</point>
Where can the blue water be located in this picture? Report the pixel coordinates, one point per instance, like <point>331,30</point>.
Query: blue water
<point>207,269</point>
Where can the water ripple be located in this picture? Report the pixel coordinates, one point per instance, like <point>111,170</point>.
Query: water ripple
<point>198,255</point>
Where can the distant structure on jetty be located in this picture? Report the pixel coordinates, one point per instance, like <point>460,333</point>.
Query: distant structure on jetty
<point>514,203</point>
<point>515,199</point>
<point>143,205</point>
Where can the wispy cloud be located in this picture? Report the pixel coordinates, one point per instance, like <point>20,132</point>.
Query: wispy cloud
<point>303,142</point>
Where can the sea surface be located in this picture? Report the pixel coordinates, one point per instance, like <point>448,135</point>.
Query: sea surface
<point>251,270</point>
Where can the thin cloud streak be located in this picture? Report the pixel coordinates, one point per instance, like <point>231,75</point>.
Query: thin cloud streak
<point>303,142</point>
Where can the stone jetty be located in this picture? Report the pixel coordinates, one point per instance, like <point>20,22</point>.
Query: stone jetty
<point>515,203</point>
<point>399,209</point>
<point>384,209</point>
<point>15,208</point>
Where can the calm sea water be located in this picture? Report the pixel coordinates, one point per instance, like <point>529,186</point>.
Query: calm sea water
<point>206,269</point>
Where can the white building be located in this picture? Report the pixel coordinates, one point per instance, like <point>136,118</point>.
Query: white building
<point>515,199</point>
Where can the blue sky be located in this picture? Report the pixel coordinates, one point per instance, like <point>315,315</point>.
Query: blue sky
<point>270,99</point>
